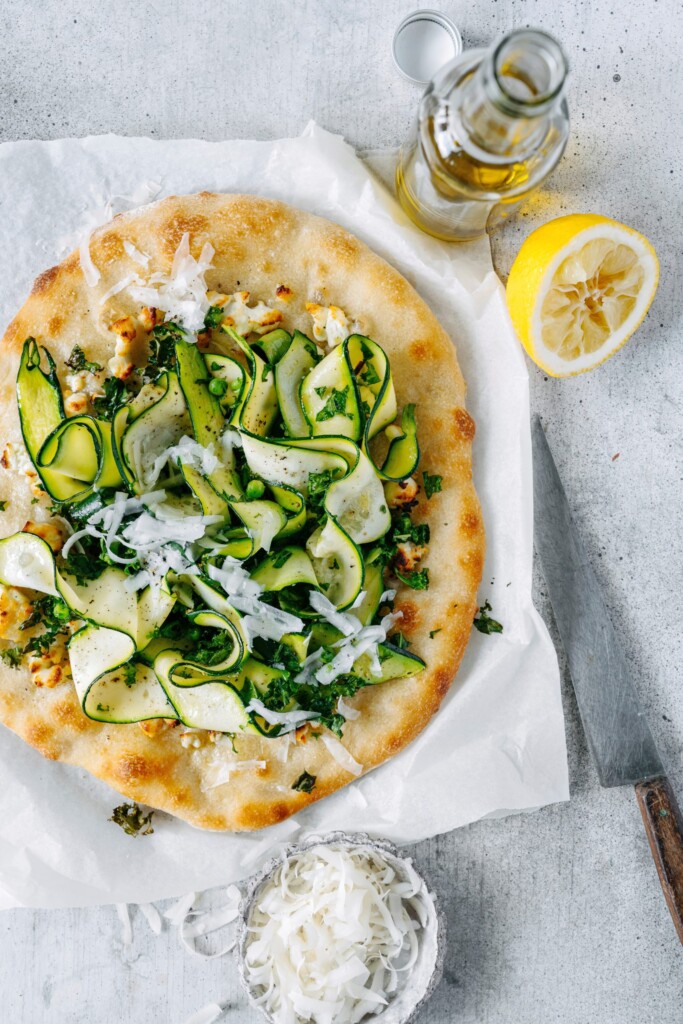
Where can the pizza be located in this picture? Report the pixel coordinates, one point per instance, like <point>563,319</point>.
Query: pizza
<point>240,543</point>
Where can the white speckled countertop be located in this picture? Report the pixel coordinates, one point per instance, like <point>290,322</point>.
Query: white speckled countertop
<point>555,916</point>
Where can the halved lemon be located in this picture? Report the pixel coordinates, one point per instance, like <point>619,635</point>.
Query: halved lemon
<point>578,289</point>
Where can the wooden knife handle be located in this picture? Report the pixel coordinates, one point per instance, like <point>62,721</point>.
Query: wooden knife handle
<point>664,827</point>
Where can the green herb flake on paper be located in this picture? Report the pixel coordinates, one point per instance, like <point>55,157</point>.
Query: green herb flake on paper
<point>305,783</point>
<point>433,632</point>
<point>133,820</point>
<point>432,483</point>
<point>483,621</point>
<point>3,505</point>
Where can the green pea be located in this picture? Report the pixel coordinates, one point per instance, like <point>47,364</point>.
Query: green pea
<point>217,387</point>
<point>61,611</point>
<point>255,489</point>
<point>236,385</point>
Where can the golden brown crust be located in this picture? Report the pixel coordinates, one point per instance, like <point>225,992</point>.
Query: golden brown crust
<point>262,246</point>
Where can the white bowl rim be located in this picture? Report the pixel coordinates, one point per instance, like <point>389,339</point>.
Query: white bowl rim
<point>351,839</point>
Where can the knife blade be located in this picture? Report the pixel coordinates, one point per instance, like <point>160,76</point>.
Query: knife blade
<point>618,735</point>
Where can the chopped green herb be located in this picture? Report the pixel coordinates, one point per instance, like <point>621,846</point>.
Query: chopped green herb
<point>400,641</point>
<point>103,707</point>
<point>49,612</point>
<point>213,318</point>
<point>320,392</point>
<point>405,530</point>
<point>129,673</point>
<point>369,375</point>
<point>416,579</point>
<point>133,820</point>
<point>483,621</point>
<point>78,362</point>
<point>432,483</point>
<point>279,559</point>
<point>433,632</point>
<point>305,783</point>
<point>12,656</point>
<point>84,566</point>
<point>34,501</point>
<point>335,405</point>
<point>318,484</point>
<point>115,394</point>
<point>162,349</point>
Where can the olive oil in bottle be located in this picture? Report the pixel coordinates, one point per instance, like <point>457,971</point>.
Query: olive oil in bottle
<point>490,128</point>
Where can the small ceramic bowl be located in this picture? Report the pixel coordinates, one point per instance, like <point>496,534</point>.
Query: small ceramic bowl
<point>418,985</point>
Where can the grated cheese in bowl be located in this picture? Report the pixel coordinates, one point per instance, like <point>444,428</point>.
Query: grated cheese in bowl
<point>339,930</point>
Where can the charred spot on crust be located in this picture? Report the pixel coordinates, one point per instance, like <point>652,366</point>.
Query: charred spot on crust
<point>421,351</point>
<point>344,248</point>
<point>109,246</point>
<point>44,280</point>
<point>469,522</point>
<point>39,735</point>
<point>178,225</point>
<point>442,682</point>
<point>135,768</point>
<point>69,713</point>
<point>410,618</point>
<point>464,424</point>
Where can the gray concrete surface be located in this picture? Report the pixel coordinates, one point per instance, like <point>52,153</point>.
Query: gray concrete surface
<point>556,916</point>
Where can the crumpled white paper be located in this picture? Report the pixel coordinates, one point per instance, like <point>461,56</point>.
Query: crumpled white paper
<point>498,744</point>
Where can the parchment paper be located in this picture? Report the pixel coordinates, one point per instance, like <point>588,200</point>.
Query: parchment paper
<point>498,744</point>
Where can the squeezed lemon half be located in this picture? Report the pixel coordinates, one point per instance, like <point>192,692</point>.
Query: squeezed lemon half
<point>578,289</point>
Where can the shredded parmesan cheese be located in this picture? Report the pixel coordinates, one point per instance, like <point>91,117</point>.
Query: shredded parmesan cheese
<point>328,933</point>
<point>182,294</point>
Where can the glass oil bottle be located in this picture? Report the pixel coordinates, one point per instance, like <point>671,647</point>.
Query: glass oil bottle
<point>491,127</point>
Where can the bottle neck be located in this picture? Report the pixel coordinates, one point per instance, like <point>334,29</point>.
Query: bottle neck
<point>506,103</point>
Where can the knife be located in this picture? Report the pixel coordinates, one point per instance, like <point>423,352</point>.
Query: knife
<point>618,735</point>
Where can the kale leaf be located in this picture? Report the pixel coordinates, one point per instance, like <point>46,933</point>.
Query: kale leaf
<point>416,579</point>
<point>115,394</point>
<point>84,566</point>
<point>53,614</point>
<point>483,621</point>
<point>162,349</point>
<point>214,318</point>
<point>133,820</point>
<point>432,483</point>
<point>12,656</point>
<point>77,361</point>
<point>305,783</point>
